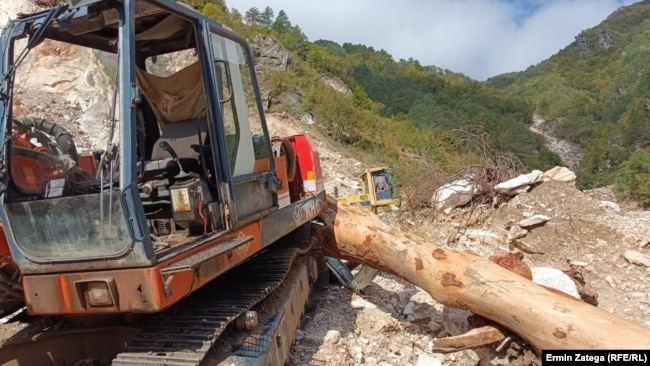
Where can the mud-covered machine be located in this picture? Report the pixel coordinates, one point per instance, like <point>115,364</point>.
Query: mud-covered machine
<point>188,185</point>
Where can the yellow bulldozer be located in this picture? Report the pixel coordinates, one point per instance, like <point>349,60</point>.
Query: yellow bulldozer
<point>379,192</point>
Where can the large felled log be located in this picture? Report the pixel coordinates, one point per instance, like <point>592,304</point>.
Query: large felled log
<point>547,320</point>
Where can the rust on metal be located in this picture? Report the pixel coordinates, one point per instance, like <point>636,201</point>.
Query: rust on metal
<point>449,279</point>
<point>418,264</point>
<point>560,333</point>
<point>439,254</point>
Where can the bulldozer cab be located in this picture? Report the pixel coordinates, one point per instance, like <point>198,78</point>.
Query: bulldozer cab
<point>380,185</point>
<point>183,154</point>
<point>379,192</point>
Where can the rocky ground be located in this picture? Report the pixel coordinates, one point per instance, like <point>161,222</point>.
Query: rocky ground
<point>392,322</point>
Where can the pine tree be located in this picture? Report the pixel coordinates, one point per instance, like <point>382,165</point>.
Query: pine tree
<point>281,25</point>
<point>252,16</point>
<point>266,18</point>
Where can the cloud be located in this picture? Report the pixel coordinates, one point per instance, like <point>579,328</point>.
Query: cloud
<point>480,38</point>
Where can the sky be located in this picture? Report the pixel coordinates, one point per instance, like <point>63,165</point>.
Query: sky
<point>479,38</point>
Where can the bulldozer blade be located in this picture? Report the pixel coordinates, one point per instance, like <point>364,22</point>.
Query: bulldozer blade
<point>364,277</point>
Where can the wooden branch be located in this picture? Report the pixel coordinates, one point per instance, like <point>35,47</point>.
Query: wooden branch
<point>546,320</point>
<point>474,338</point>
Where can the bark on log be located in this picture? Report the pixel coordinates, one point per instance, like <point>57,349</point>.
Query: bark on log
<point>546,320</point>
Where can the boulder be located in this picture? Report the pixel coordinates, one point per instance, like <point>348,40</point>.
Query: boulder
<point>533,221</point>
<point>560,173</point>
<point>554,278</point>
<point>454,194</point>
<point>513,186</point>
<point>637,258</point>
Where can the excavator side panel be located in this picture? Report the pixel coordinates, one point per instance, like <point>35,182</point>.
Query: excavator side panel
<point>156,288</point>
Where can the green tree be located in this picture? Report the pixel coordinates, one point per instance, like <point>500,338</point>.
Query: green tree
<point>236,21</point>
<point>295,40</point>
<point>633,180</point>
<point>235,16</point>
<point>215,12</point>
<point>332,48</point>
<point>360,98</point>
<point>281,25</point>
<point>197,4</point>
<point>266,18</point>
<point>325,62</point>
<point>200,4</point>
<point>252,15</point>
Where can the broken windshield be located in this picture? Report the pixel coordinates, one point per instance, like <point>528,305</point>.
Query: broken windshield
<point>61,144</point>
<point>62,115</point>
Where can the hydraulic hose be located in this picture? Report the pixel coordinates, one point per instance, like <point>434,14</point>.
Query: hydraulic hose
<point>62,137</point>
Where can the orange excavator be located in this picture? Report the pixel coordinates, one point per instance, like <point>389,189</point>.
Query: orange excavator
<point>187,184</point>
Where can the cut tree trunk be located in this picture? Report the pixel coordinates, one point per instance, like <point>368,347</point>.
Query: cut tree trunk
<point>545,319</point>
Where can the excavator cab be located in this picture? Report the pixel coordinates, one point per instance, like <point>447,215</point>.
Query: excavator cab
<point>180,183</point>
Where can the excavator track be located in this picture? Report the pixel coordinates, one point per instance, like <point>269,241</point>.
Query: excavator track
<point>184,334</point>
<point>11,291</point>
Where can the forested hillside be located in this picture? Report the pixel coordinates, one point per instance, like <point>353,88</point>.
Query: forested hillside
<point>596,92</point>
<point>412,117</point>
<point>434,99</point>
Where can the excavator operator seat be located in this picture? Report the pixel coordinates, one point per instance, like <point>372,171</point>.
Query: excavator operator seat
<point>182,141</point>
<point>183,138</point>
<point>176,161</point>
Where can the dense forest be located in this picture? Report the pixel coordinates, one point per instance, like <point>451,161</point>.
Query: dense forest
<point>595,92</point>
